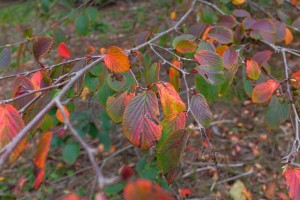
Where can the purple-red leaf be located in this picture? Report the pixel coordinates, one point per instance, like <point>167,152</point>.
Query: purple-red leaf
<point>230,58</point>
<point>221,34</point>
<point>262,57</point>
<point>140,124</point>
<point>200,109</point>
<point>265,25</point>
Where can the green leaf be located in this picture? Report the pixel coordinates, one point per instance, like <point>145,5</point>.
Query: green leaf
<point>71,152</point>
<point>104,92</point>
<point>92,82</point>
<point>46,123</point>
<point>171,150</point>
<point>59,36</point>
<point>115,188</point>
<point>82,24</point>
<point>277,112</point>
<point>152,73</point>
<point>92,13</point>
<point>209,16</point>
<point>209,91</point>
<point>116,81</point>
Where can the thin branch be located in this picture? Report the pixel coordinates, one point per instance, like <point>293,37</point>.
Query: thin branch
<point>86,147</point>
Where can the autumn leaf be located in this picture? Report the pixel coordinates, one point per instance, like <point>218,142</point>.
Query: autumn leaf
<point>238,2</point>
<point>263,92</point>
<point>40,79</point>
<point>116,60</point>
<point>59,114</point>
<point>115,106</point>
<point>170,152</point>
<point>296,77</point>
<point>288,36</point>
<point>292,177</point>
<point>63,50</point>
<point>11,123</point>
<point>174,75</point>
<point>170,99</point>
<point>143,189</point>
<point>253,69</point>
<point>140,124</point>
<point>41,46</point>
<point>22,85</point>
<point>262,57</point>
<point>205,57</point>
<point>230,58</point>
<point>186,46</point>
<point>41,156</point>
<point>221,34</point>
<point>200,109</point>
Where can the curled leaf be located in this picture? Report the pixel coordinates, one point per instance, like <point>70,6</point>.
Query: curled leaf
<point>41,46</point>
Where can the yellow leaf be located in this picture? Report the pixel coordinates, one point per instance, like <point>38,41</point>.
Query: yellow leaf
<point>238,2</point>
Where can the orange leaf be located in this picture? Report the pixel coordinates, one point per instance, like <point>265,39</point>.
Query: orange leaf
<point>71,196</point>
<point>253,69</point>
<point>288,36</point>
<point>59,115</point>
<point>40,79</point>
<point>63,50</point>
<point>221,49</point>
<point>116,60</point>
<point>296,76</point>
<point>263,92</point>
<point>174,75</point>
<point>173,15</point>
<point>292,177</point>
<point>204,36</point>
<point>43,149</point>
<point>11,123</point>
<point>142,189</point>
<point>170,100</point>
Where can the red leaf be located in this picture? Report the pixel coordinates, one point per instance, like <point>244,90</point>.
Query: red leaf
<point>126,172</point>
<point>140,124</point>
<point>39,178</point>
<point>116,60</point>
<point>185,192</point>
<point>63,50</point>
<point>263,92</point>
<point>11,123</point>
<point>292,176</point>
<point>170,99</point>
<point>230,58</point>
<point>221,34</point>
<point>253,69</point>
<point>262,57</point>
<point>41,46</point>
<point>142,189</point>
